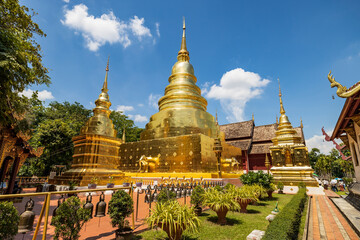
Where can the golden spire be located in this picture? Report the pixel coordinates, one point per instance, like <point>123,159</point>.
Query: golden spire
<point>123,135</point>
<point>277,120</point>
<point>282,111</point>
<point>253,119</point>
<point>183,55</point>
<point>301,123</point>
<point>285,133</point>
<point>105,88</point>
<point>217,122</point>
<point>100,123</point>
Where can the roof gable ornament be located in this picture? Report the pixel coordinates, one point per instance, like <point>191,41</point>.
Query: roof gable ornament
<point>342,91</point>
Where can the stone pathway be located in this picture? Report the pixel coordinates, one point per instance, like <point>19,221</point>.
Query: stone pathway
<point>326,222</point>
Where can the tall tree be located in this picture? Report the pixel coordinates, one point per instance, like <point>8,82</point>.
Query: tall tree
<point>121,123</point>
<point>20,59</point>
<point>314,156</point>
<point>53,128</point>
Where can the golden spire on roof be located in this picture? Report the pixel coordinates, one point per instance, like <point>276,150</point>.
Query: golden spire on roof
<point>100,123</point>
<point>301,123</point>
<point>253,119</point>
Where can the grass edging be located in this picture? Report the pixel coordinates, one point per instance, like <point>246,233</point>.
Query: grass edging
<point>287,222</point>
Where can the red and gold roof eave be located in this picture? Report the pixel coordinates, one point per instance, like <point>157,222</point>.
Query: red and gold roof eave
<point>349,109</point>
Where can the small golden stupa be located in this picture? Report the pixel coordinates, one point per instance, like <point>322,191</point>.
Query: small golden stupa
<point>96,149</point>
<point>290,161</point>
<point>179,139</point>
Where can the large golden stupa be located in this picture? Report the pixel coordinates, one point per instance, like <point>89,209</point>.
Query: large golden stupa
<point>290,161</point>
<point>182,139</point>
<point>179,139</point>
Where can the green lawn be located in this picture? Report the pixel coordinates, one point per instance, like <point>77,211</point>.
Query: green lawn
<point>239,224</point>
<point>342,193</point>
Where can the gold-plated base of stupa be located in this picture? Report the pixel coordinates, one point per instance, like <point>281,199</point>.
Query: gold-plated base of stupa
<point>292,176</point>
<point>181,175</point>
<point>101,179</point>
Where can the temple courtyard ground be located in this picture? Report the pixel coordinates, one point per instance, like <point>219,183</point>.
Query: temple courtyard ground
<point>325,220</point>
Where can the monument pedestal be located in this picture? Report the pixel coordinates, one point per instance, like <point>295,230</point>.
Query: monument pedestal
<point>294,175</point>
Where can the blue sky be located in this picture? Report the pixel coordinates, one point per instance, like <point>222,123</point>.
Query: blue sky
<point>238,50</point>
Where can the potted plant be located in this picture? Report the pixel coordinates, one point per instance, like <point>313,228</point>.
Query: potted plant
<point>72,185</point>
<point>110,184</point>
<point>93,182</point>
<point>120,207</point>
<point>69,219</point>
<point>166,195</point>
<point>139,183</point>
<point>280,186</point>
<point>271,188</point>
<point>174,219</point>
<point>221,203</point>
<point>245,195</point>
<point>197,198</point>
<point>9,220</point>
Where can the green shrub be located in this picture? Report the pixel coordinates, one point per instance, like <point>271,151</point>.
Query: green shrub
<point>166,195</point>
<point>218,188</point>
<point>286,224</point>
<point>228,185</point>
<point>175,217</point>
<point>280,186</point>
<point>348,181</point>
<point>9,220</point>
<point>197,196</point>
<point>120,207</point>
<point>260,178</point>
<point>69,219</point>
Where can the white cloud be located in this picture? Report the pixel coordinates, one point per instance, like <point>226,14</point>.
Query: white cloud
<point>318,141</point>
<point>122,108</point>
<point>107,28</point>
<point>140,105</point>
<point>138,29</point>
<point>236,88</point>
<point>153,100</point>
<point>157,25</point>
<point>42,95</point>
<point>67,1</point>
<point>138,118</point>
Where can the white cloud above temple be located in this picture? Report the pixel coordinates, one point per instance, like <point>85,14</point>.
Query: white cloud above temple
<point>318,141</point>
<point>97,31</point>
<point>235,89</point>
<point>138,118</point>
<point>123,108</point>
<point>153,100</point>
<point>42,95</point>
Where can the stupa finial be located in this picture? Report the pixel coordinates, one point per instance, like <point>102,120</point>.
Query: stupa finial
<point>183,54</point>
<point>282,111</point>
<point>301,123</point>
<point>105,88</point>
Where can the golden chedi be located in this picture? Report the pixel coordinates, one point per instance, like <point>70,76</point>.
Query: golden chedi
<point>179,139</point>
<point>290,162</point>
<point>96,149</point>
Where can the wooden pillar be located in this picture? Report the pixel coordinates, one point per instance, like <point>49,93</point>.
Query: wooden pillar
<point>13,174</point>
<point>247,162</point>
<point>3,168</point>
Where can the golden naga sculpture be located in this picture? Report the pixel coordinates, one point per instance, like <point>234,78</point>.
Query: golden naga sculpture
<point>342,91</point>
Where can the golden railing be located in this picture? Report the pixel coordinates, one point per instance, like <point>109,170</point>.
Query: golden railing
<point>45,208</point>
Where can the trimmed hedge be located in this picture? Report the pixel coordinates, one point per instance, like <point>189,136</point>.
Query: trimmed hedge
<point>286,224</point>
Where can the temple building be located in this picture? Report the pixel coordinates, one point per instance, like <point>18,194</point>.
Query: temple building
<point>14,150</point>
<point>254,141</point>
<point>347,129</point>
